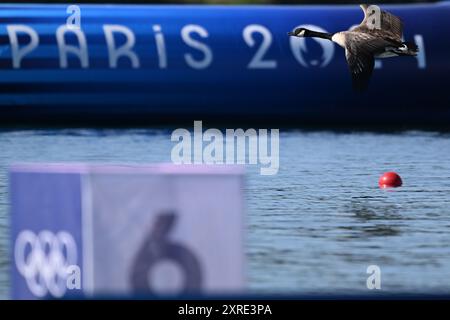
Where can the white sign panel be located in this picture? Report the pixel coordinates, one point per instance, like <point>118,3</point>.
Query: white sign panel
<point>153,230</point>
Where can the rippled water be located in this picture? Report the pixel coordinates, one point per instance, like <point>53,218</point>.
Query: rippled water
<point>318,224</point>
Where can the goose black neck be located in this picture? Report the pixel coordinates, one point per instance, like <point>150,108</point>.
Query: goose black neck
<point>316,34</point>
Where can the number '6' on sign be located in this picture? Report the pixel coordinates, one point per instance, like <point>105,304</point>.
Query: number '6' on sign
<point>158,247</point>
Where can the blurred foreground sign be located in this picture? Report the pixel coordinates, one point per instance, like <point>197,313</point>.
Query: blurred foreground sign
<point>124,230</point>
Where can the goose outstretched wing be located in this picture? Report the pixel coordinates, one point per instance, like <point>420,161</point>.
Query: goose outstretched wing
<point>361,68</point>
<point>388,22</point>
<point>359,52</point>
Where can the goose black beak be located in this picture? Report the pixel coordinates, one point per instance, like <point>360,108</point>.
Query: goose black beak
<point>290,33</point>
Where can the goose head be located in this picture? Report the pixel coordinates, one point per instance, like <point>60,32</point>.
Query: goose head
<point>298,32</point>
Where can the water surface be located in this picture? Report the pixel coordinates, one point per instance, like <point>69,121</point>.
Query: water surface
<point>317,224</point>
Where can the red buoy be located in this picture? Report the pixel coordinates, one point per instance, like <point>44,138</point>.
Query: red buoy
<point>390,180</point>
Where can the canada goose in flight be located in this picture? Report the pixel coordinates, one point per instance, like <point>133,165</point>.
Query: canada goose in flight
<point>365,43</point>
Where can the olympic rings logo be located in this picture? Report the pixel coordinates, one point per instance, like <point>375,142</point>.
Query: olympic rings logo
<point>44,260</point>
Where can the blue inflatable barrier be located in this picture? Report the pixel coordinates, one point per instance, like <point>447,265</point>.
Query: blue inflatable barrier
<point>155,63</point>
